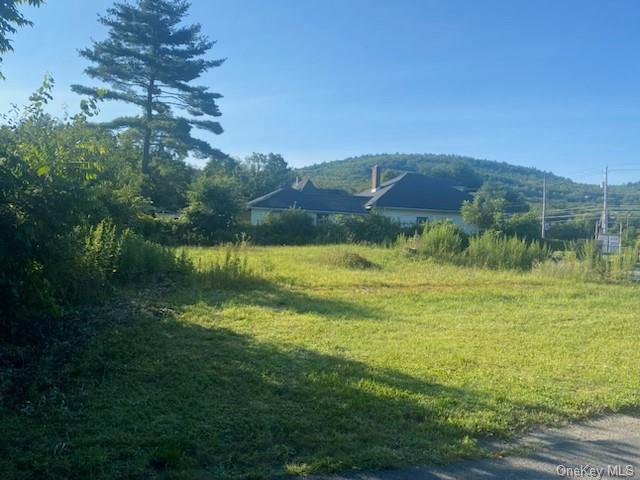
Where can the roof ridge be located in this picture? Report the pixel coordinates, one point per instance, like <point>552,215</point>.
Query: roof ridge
<point>269,195</point>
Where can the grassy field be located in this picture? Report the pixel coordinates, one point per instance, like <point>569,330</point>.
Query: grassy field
<point>316,367</point>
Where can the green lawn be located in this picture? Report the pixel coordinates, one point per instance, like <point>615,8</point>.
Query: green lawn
<point>319,368</point>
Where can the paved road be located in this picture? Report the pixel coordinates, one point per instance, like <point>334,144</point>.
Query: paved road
<point>567,452</point>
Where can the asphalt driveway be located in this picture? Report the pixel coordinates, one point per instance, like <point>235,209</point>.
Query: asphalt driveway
<point>605,448</point>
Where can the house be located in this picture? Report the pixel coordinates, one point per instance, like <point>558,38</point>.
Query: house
<point>409,199</point>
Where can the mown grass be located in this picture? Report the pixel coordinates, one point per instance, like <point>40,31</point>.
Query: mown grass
<point>318,368</point>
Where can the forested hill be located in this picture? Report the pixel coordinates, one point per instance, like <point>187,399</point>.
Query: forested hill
<point>353,174</point>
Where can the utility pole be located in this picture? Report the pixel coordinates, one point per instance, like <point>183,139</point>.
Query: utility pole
<point>544,205</point>
<point>605,213</point>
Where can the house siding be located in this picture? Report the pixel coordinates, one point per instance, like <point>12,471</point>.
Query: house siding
<point>258,214</point>
<point>402,216</point>
<point>411,217</point>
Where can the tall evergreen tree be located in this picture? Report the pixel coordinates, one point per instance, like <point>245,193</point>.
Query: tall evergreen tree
<point>150,59</point>
<point>10,19</point>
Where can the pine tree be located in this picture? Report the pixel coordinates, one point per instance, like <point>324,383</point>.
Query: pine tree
<point>150,59</point>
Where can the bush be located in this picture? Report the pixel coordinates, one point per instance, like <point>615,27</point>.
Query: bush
<point>139,259</point>
<point>87,264</point>
<point>442,241</point>
<point>291,227</point>
<point>371,228</point>
<point>494,250</point>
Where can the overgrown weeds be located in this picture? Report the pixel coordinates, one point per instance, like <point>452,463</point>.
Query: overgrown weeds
<point>496,251</point>
<point>228,271</point>
<point>445,242</point>
<point>584,261</point>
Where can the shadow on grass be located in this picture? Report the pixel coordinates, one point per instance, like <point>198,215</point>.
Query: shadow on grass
<point>161,398</point>
<point>174,400</point>
<point>274,297</point>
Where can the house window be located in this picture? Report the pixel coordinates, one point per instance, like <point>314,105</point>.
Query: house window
<point>420,220</point>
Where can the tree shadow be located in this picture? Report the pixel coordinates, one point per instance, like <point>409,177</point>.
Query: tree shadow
<point>161,398</point>
<point>276,298</point>
<point>180,400</point>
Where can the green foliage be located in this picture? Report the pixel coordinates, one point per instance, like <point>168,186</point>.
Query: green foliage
<point>524,225</point>
<point>149,60</point>
<point>572,230</point>
<point>292,227</point>
<point>371,228</point>
<point>497,251</point>
<point>583,260</point>
<point>214,204</point>
<point>68,202</point>
<point>168,182</point>
<point>442,241</point>
<point>264,173</point>
<point>140,259</point>
<point>490,206</point>
<point>295,227</point>
<point>227,271</point>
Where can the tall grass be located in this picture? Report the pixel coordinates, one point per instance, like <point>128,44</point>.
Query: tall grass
<point>226,271</point>
<point>443,241</point>
<point>496,251</point>
<point>103,257</point>
<point>584,261</point>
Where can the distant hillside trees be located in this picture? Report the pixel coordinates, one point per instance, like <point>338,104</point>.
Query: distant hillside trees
<point>353,174</point>
<point>150,60</point>
<point>10,20</point>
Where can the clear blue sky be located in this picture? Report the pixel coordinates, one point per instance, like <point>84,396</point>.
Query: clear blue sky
<point>550,84</point>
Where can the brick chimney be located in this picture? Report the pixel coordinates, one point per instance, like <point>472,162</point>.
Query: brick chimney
<point>375,178</point>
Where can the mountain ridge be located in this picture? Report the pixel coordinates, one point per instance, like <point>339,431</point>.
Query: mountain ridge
<point>353,174</point>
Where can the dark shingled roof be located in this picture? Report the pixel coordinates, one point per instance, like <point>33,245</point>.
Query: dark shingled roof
<point>307,196</point>
<point>409,190</point>
<point>416,191</point>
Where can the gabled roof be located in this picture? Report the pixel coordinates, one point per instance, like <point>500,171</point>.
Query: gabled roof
<point>304,185</point>
<point>409,190</point>
<point>316,199</point>
<point>416,191</point>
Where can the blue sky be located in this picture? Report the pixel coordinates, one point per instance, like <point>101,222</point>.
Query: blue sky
<point>550,84</point>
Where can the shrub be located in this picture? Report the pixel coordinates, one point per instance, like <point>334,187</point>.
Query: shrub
<point>371,228</point>
<point>494,250</point>
<point>442,241</point>
<point>291,227</point>
<point>214,205</point>
<point>139,258</point>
